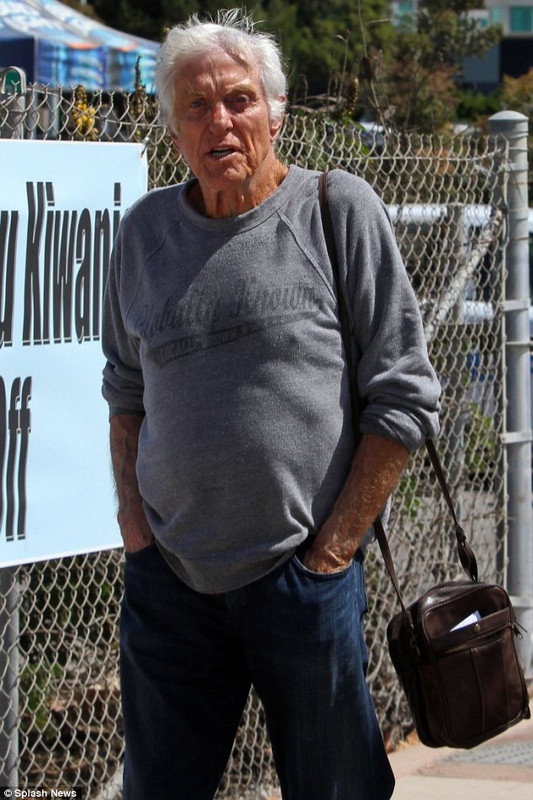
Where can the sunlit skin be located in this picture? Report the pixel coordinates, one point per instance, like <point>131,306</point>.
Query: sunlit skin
<point>222,127</point>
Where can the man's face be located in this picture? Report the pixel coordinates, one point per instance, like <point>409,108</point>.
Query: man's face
<point>222,125</point>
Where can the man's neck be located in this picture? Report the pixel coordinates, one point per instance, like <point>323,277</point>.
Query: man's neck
<point>235,201</point>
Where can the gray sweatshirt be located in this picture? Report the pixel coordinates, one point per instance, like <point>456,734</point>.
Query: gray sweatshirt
<point>224,333</point>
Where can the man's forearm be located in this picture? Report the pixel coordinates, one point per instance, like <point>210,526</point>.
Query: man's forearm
<point>124,440</point>
<point>376,468</point>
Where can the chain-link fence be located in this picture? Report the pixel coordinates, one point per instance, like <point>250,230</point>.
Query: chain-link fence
<point>59,619</point>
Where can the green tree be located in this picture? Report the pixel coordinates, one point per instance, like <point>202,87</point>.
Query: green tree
<point>517,95</point>
<point>452,33</point>
<point>348,50</point>
<point>419,89</point>
<point>151,19</point>
<point>322,40</point>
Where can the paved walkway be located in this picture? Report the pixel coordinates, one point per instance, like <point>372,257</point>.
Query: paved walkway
<point>501,769</point>
<point>496,770</point>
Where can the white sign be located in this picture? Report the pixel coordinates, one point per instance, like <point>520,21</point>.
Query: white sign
<point>60,205</point>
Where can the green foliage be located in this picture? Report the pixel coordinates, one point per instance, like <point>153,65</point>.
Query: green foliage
<point>481,442</point>
<point>451,33</point>
<point>409,75</point>
<point>75,597</point>
<point>420,83</point>
<point>151,20</point>
<point>316,140</point>
<point>35,685</point>
<point>475,107</point>
<point>407,494</point>
<point>417,96</point>
<point>517,94</point>
<point>326,41</point>
<point>320,39</point>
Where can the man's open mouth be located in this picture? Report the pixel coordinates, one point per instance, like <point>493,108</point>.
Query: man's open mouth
<point>221,152</point>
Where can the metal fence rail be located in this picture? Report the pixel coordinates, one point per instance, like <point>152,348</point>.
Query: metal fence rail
<point>441,195</point>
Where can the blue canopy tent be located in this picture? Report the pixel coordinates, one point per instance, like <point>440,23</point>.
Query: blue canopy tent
<point>56,45</point>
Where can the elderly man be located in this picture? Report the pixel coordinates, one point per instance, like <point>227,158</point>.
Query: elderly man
<point>242,505</point>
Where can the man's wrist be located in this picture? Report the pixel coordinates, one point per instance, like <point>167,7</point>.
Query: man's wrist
<point>135,530</point>
<point>321,559</point>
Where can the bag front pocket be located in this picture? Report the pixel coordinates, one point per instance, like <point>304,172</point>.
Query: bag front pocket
<point>482,687</point>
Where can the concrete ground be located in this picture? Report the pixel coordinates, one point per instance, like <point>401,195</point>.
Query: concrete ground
<point>498,769</point>
<point>501,769</point>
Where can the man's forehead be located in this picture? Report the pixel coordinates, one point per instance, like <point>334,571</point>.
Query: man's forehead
<point>220,69</point>
<point>194,88</point>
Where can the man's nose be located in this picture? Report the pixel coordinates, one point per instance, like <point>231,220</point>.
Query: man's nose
<point>220,116</point>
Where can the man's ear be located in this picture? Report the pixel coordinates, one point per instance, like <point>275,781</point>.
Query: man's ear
<point>275,127</point>
<point>175,139</point>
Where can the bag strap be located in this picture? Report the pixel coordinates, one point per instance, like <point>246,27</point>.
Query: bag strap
<point>344,318</point>
<point>466,554</point>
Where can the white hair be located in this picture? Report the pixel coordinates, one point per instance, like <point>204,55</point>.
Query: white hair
<point>234,33</point>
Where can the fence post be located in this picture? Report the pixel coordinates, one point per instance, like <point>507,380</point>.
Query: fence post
<point>13,93</point>
<point>517,439</point>
<point>456,361</point>
<point>9,668</point>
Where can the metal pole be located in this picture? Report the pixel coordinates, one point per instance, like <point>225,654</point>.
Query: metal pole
<point>456,361</point>
<point>517,439</point>
<point>13,98</point>
<point>9,667</point>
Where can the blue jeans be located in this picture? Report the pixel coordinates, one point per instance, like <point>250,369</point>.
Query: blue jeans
<point>188,661</point>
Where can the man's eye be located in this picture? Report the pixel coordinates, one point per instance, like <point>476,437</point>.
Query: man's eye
<point>240,100</point>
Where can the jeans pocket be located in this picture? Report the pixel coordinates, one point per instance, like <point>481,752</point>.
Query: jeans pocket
<point>321,576</point>
<point>133,555</point>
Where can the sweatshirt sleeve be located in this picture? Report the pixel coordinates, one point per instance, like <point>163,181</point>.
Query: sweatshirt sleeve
<point>397,383</point>
<point>122,385</point>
